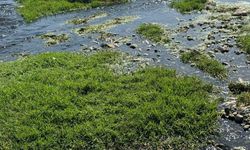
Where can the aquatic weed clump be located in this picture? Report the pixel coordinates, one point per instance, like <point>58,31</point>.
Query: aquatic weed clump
<point>188,5</point>
<point>205,63</point>
<point>99,28</point>
<point>71,101</point>
<point>244,99</point>
<point>244,42</point>
<point>53,39</point>
<point>153,32</point>
<point>244,38</point>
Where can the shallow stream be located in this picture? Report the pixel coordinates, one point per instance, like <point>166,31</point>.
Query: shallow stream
<point>18,39</point>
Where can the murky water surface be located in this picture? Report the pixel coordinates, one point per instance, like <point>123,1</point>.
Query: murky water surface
<point>18,39</point>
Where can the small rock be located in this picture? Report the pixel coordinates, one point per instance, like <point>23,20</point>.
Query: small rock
<point>220,146</point>
<point>84,45</point>
<point>238,52</point>
<point>154,59</point>
<point>216,50</point>
<point>223,115</point>
<point>200,24</point>
<point>235,113</point>
<point>231,117</point>
<point>239,118</point>
<point>209,7</point>
<point>210,37</point>
<point>230,45</point>
<point>223,49</point>
<point>246,127</point>
<point>192,64</point>
<point>240,12</point>
<point>239,148</point>
<point>105,45</point>
<point>156,51</point>
<point>128,44</point>
<point>191,25</point>
<point>189,38</point>
<point>133,46</point>
<point>147,42</point>
<point>227,111</point>
<point>225,63</point>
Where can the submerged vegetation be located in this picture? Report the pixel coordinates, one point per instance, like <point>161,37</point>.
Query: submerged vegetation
<point>34,9</point>
<point>72,101</point>
<point>78,21</point>
<point>188,5</point>
<point>205,63</point>
<point>106,25</point>
<point>52,39</point>
<point>153,32</point>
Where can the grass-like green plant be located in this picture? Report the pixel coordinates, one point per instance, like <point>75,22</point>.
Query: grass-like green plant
<point>34,9</point>
<point>71,101</point>
<point>244,99</point>
<point>244,38</point>
<point>153,32</point>
<point>185,6</point>
<point>244,41</point>
<point>205,63</point>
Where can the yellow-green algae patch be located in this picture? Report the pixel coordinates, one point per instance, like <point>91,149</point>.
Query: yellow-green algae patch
<point>107,25</point>
<point>78,21</point>
<point>53,39</point>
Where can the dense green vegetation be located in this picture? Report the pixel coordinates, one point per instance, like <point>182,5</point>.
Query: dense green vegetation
<point>188,5</point>
<point>153,32</point>
<point>244,39</point>
<point>244,99</point>
<point>205,63</point>
<point>33,9</point>
<point>245,42</point>
<point>71,101</point>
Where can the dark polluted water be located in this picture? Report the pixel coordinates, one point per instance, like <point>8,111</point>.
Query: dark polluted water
<point>18,39</point>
